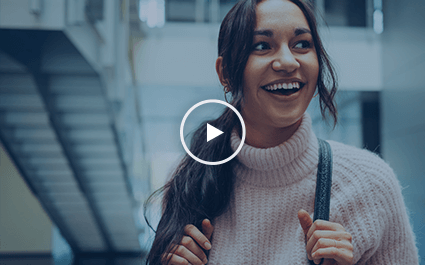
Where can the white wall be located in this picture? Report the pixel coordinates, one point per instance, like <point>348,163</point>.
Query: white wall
<point>17,14</point>
<point>180,54</point>
<point>356,53</point>
<point>24,226</point>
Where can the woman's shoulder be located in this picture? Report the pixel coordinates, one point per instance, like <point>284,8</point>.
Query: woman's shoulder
<point>362,177</point>
<point>361,164</point>
<point>367,200</point>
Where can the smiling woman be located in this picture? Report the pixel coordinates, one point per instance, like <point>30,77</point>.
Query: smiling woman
<point>257,209</point>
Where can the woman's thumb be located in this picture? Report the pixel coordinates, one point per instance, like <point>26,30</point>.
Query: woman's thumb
<point>207,228</point>
<point>305,220</point>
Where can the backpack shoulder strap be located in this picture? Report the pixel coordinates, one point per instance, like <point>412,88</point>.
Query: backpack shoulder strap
<point>324,182</point>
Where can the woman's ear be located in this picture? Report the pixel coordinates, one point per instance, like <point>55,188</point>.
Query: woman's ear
<point>219,69</point>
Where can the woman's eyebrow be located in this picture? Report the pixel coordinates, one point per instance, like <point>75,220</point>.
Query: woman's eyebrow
<point>300,31</point>
<point>266,32</point>
<point>269,33</point>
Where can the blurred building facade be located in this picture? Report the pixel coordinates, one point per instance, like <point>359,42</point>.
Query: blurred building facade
<point>403,125</point>
<point>70,123</point>
<point>92,93</point>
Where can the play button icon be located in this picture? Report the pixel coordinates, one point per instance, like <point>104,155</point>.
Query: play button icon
<point>213,132</point>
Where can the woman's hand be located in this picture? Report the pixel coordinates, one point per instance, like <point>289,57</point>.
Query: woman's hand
<point>189,251</point>
<point>326,240</point>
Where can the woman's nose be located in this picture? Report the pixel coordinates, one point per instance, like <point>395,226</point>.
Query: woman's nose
<point>285,61</point>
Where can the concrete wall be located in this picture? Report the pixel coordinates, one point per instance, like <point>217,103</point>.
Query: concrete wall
<point>403,127</point>
<point>24,226</point>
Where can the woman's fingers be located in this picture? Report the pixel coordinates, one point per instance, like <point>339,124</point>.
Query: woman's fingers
<point>182,256</point>
<point>193,247</point>
<point>174,259</point>
<point>324,225</point>
<point>198,236</point>
<point>190,249</point>
<point>191,257</point>
<point>334,245</point>
<point>340,255</point>
<point>340,251</point>
<point>330,243</point>
<point>321,235</point>
<point>326,240</point>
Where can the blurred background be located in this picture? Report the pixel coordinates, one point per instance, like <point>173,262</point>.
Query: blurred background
<point>92,93</point>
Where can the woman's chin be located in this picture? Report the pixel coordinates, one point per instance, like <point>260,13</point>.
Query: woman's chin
<point>287,121</point>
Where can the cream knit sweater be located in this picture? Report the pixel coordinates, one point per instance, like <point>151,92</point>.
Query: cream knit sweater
<point>261,225</point>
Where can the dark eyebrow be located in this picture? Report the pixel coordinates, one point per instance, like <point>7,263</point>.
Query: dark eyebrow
<point>300,31</point>
<point>269,33</point>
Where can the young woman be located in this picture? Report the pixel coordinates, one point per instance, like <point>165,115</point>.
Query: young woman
<point>257,208</point>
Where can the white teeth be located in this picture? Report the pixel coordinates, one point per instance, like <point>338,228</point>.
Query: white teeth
<point>283,86</point>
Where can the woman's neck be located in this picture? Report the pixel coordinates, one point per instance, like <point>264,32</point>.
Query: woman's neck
<point>266,137</point>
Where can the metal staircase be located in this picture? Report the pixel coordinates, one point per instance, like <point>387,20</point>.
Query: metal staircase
<point>60,125</point>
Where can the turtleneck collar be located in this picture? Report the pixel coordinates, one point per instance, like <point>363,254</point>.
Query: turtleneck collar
<point>281,165</point>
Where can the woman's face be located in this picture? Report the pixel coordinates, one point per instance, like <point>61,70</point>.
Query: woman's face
<point>281,73</point>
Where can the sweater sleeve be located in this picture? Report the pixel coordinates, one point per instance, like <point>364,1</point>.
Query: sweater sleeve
<point>396,241</point>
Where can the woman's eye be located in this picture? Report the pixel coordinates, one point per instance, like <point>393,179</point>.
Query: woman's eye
<point>303,45</point>
<point>261,46</point>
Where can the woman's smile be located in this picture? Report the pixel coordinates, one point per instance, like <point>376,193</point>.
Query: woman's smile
<point>282,87</point>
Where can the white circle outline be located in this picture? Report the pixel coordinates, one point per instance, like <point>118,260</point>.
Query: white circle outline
<point>240,119</point>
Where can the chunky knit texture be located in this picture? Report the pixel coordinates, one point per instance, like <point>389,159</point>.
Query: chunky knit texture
<point>261,224</point>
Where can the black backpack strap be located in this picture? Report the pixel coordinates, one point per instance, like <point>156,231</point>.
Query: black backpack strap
<point>323,183</point>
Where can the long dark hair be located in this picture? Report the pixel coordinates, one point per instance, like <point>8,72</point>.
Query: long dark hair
<point>197,191</point>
